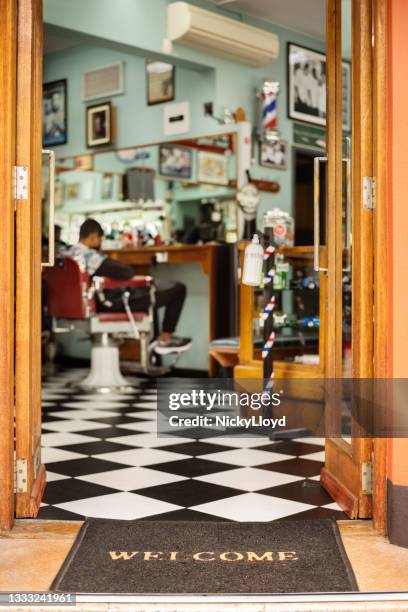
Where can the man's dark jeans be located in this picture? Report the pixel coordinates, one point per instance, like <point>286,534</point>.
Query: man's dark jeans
<point>170,295</point>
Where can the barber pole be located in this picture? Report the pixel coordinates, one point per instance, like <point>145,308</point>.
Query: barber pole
<point>268,345</point>
<point>268,309</point>
<point>270,383</point>
<point>269,276</point>
<point>269,251</point>
<point>269,110</point>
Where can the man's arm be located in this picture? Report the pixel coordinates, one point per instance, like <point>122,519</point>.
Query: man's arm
<point>115,269</point>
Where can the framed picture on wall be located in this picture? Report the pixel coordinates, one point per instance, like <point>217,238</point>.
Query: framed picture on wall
<point>274,155</point>
<point>99,125</point>
<point>59,193</point>
<point>175,162</point>
<point>160,78</point>
<point>307,86</point>
<point>84,162</point>
<point>73,191</point>
<point>107,186</point>
<point>55,123</point>
<point>212,168</point>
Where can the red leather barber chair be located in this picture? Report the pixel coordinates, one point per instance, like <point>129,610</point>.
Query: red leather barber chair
<point>71,304</point>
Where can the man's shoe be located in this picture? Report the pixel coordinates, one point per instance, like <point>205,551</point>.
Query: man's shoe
<point>175,345</point>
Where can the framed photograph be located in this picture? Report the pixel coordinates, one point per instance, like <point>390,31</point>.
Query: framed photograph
<point>307,86</point>
<point>55,123</point>
<point>59,193</point>
<point>84,162</point>
<point>274,155</point>
<point>212,168</point>
<point>159,82</point>
<point>73,191</point>
<point>99,125</point>
<point>175,162</point>
<point>107,186</point>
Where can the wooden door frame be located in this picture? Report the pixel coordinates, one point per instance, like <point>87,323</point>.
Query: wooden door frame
<point>382,259</point>
<point>368,304</point>
<point>8,74</point>
<point>20,257</point>
<point>382,273</point>
<point>28,257</point>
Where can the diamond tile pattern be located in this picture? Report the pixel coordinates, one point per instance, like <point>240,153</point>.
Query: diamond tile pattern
<point>105,459</point>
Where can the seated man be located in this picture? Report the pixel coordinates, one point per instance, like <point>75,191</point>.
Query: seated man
<point>171,295</point>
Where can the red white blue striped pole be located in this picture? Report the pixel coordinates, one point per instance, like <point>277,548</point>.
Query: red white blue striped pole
<point>268,309</point>
<point>269,111</point>
<point>268,345</point>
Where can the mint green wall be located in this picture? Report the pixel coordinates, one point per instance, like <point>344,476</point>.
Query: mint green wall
<point>129,31</point>
<point>139,27</point>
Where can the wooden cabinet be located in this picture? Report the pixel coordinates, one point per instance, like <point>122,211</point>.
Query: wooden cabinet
<point>283,353</point>
<point>302,258</point>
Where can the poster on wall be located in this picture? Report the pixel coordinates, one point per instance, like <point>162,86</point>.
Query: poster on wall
<point>307,86</point>
<point>99,125</point>
<point>274,155</point>
<point>55,130</point>
<point>159,82</point>
<point>175,162</point>
<point>212,168</point>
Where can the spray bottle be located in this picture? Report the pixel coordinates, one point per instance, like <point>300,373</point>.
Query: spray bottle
<point>253,263</point>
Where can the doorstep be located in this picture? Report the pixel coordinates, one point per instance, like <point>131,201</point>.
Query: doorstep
<point>379,567</point>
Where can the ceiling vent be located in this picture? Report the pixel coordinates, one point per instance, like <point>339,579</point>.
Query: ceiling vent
<point>103,82</point>
<point>214,33</point>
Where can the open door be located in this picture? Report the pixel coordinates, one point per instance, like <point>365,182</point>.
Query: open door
<point>8,55</point>
<point>348,465</point>
<point>30,474</point>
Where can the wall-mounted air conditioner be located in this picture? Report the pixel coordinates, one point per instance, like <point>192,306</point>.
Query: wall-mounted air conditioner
<point>214,33</point>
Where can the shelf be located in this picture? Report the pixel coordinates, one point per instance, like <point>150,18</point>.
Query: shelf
<point>105,206</point>
<point>289,369</point>
<point>304,253</point>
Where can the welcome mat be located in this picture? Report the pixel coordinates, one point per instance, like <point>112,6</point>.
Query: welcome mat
<point>206,557</point>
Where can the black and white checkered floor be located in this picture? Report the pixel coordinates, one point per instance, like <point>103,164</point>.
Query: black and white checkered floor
<point>104,459</point>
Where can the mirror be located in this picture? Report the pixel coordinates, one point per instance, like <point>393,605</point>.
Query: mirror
<point>180,191</point>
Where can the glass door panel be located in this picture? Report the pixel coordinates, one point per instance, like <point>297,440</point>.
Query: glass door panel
<point>349,250</point>
<point>346,214</point>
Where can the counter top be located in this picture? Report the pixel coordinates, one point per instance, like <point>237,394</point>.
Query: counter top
<point>164,247</point>
<point>202,254</point>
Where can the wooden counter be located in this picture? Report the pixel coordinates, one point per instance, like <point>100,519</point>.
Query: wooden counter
<point>203,254</point>
<point>176,254</point>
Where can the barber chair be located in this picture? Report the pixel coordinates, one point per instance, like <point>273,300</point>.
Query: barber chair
<point>71,303</point>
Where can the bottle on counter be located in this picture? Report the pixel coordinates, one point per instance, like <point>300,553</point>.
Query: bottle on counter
<point>253,263</point>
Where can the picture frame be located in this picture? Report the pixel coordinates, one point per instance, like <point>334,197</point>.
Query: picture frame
<point>99,125</point>
<point>84,162</point>
<point>59,193</point>
<point>55,118</point>
<point>72,191</point>
<point>306,70</point>
<point>107,186</point>
<point>160,82</point>
<point>274,155</point>
<point>212,168</point>
<point>175,162</point>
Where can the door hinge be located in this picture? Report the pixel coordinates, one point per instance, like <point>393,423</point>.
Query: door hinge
<point>21,182</point>
<point>20,476</point>
<point>367,478</point>
<point>369,192</point>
